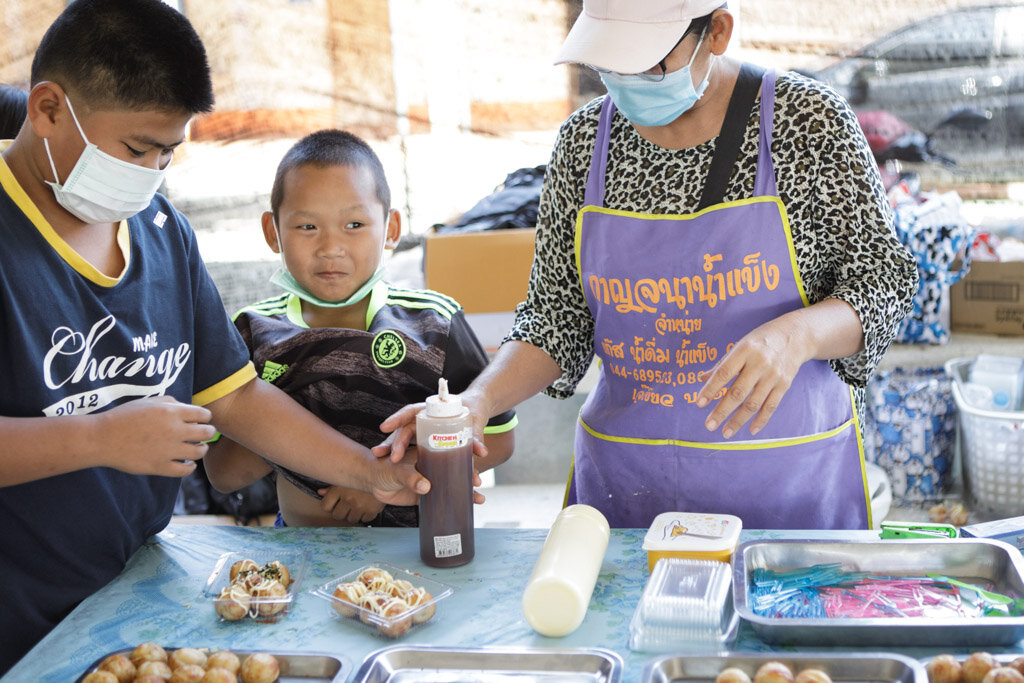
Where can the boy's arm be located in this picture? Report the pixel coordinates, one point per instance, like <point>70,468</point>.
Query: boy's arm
<point>157,436</point>
<point>266,420</point>
<point>499,449</point>
<point>349,505</point>
<point>231,466</point>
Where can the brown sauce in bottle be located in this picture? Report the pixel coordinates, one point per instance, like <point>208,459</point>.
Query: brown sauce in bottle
<point>444,437</point>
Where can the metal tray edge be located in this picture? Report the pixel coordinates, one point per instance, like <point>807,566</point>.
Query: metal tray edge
<point>995,631</point>
<point>915,666</point>
<point>615,674</point>
<point>345,668</point>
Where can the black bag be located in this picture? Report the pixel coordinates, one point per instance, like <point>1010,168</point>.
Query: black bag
<point>245,505</point>
<point>514,204</point>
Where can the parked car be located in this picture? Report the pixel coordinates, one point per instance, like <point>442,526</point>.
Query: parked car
<point>968,58</point>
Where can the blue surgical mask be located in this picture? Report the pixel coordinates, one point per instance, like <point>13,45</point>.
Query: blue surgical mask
<point>283,279</point>
<point>656,103</point>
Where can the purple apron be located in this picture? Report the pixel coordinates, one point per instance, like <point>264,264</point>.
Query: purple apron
<point>670,294</point>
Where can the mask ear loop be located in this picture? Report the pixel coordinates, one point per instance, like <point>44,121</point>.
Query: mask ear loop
<point>280,244</point>
<point>46,142</point>
<point>82,132</point>
<point>711,62</point>
<point>700,42</point>
<point>49,157</point>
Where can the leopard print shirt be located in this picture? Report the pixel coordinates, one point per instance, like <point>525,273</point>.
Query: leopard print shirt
<point>840,220</point>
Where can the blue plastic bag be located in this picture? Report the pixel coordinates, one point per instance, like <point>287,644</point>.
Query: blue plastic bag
<point>937,235</point>
<point>910,431</point>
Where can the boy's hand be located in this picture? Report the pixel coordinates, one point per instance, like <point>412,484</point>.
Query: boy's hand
<point>397,483</point>
<point>154,436</point>
<point>349,505</point>
<point>478,497</point>
<point>384,449</point>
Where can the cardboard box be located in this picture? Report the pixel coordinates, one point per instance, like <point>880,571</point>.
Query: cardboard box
<point>486,271</point>
<point>1010,530</point>
<point>990,300</point>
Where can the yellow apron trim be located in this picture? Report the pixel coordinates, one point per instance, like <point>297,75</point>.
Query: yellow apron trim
<point>725,446</point>
<point>863,466</point>
<point>578,232</point>
<point>855,421</point>
<point>568,483</point>
<point>63,249</point>
<point>224,387</point>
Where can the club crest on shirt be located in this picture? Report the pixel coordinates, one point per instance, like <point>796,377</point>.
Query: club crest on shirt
<point>387,349</point>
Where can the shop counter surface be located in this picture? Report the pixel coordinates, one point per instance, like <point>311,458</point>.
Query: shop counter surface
<point>160,597</point>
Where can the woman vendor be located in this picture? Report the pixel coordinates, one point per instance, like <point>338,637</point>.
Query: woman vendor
<point>717,234</point>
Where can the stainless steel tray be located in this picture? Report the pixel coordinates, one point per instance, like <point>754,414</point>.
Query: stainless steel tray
<point>296,667</point>
<point>969,559</point>
<point>489,665</point>
<point>842,668</point>
<point>1001,658</point>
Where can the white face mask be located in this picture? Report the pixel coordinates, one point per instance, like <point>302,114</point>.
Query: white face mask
<point>101,188</point>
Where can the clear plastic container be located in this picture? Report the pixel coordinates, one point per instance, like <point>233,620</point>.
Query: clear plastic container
<point>982,396</point>
<point>261,607</point>
<point>692,535</point>
<point>1003,375</point>
<point>388,626</point>
<point>686,605</point>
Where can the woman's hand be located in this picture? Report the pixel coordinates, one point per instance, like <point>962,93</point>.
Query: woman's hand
<point>760,368</point>
<point>401,428</point>
<point>758,372</point>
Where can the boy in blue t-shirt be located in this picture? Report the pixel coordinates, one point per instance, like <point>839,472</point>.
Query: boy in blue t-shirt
<point>117,359</point>
<point>348,346</point>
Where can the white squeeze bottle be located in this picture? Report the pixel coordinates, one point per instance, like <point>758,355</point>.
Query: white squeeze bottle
<point>558,592</point>
<point>444,439</point>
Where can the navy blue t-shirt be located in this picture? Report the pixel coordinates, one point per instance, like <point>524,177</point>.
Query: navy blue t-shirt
<point>74,341</point>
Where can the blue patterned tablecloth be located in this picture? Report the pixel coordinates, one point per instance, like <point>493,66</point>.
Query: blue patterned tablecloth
<point>160,597</point>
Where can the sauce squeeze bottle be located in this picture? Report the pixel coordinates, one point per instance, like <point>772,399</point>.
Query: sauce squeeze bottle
<point>444,439</point>
<point>558,593</point>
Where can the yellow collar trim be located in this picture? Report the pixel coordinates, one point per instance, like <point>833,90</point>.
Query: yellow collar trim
<point>56,242</point>
<point>293,309</point>
<point>378,297</point>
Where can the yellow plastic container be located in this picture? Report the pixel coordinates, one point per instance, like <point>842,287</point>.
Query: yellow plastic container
<point>692,535</point>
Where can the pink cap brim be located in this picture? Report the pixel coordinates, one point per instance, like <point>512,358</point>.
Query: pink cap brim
<point>627,47</point>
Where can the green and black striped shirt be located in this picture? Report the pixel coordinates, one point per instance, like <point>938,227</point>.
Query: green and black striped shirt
<point>354,379</point>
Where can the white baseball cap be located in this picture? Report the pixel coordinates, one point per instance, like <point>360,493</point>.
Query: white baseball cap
<point>630,36</point>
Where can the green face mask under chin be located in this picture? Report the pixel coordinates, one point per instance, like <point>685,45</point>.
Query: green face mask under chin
<point>283,279</point>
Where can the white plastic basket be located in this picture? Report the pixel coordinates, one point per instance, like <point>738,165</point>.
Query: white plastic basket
<point>992,449</point>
